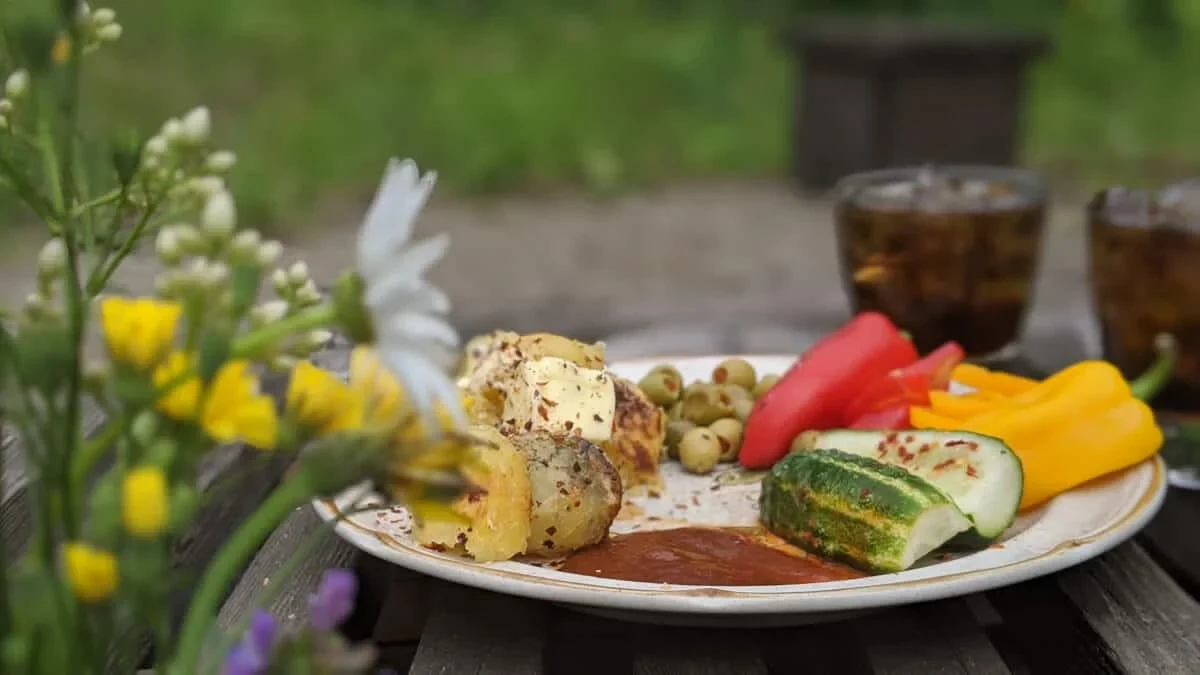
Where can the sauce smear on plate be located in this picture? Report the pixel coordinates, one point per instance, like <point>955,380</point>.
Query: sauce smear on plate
<point>702,556</point>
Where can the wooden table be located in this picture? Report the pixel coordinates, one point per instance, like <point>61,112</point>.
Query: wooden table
<point>1122,613</point>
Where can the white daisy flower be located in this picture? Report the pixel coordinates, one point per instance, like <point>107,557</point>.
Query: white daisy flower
<point>412,334</point>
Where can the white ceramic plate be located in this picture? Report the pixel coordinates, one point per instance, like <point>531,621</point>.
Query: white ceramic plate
<point>1070,529</point>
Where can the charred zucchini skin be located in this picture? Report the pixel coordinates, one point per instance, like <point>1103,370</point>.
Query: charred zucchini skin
<point>845,507</point>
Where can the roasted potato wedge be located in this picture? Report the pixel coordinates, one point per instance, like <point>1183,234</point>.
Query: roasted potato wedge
<point>639,431</point>
<point>576,492</point>
<point>496,522</point>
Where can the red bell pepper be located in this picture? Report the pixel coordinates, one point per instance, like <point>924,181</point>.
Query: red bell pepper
<point>906,387</point>
<point>813,393</point>
<point>889,419</point>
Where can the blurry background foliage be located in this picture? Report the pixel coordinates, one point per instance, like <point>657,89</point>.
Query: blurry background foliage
<point>530,95</point>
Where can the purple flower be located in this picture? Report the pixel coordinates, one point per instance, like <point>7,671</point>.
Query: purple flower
<point>253,654</point>
<point>334,600</point>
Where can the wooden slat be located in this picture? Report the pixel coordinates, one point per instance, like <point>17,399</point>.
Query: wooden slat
<point>1118,614</point>
<point>571,644</point>
<point>1170,538</point>
<point>807,649</point>
<point>478,633</point>
<point>929,639</point>
<point>278,556</point>
<point>696,651</point>
<point>1147,620</point>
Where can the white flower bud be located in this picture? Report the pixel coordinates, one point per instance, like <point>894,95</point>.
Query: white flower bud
<point>215,274</point>
<point>269,253</point>
<point>17,84</point>
<point>144,427</point>
<point>103,16</point>
<point>206,186</point>
<point>318,338</point>
<point>36,305</point>
<point>196,126</point>
<point>298,273</point>
<point>109,32</point>
<point>6,106</point>
<point>219,215</point>
<point>157,145</point>
<point>245,245</point>
<point>279,281</point>
<point>268,312</point>
<point>220,161</point>
<point>151,162</point>
<point>167,246</point>
<point>308,294</point>
<point>52,259</point>
<point>172,129</point>
<point>83,12</point>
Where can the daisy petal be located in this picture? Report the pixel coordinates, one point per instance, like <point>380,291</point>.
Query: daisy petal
<point>389,220</point>
<point>405,271</point>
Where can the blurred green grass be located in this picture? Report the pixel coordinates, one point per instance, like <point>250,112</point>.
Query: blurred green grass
<point>314,95</point>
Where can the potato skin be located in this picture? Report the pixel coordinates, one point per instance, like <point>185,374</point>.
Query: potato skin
<point>639,432</point>
<point>495,524</point>
<point>576,492</point>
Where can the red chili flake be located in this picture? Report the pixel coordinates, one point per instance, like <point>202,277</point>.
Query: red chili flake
<point>695,500</point>
<point>909,439</point>
<point>551,530</point>
<point>866,492</point>
<point>461,538</point>
<point>549,402</point>
<point>569,425</point>
<point>597,418</point>
<point>942,465</point>
<point>924,449</point>
<point>543,412</point>
<point>529,425</point>
<point>972,446</point>
<point>954,443</point>
<point>892,437</point>
<point>971,471</point>
<point>548,544</point>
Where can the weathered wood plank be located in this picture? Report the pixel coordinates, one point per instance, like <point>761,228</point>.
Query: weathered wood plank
<point>1147,620</point>
<point>696,651</point>
<point>927,639</point>
<point>15,515</point>
<point>572,640</point>
<point>807,649</point>
<point>470,631</point>
<point>303,534</point>
<point>1120,613</point>
<point>1170,538</point>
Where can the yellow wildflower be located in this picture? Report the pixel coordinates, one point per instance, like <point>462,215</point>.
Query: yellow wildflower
<point>139,331</point>
<point>230,409</point>
<point>60,51</point>
<point>92,572</point>
<point>144,501</point>
<point>322,401</point>
<point>385,400</point>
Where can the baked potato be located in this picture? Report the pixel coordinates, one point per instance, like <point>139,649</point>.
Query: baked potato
<point>496,521</point>
<point>490,362</point>
<point>576,492</point>
<point>639,431</point>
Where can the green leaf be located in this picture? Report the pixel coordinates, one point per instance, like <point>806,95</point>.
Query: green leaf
<point>214,352</point>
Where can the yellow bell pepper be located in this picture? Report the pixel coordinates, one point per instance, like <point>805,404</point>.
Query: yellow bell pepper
<point>1077,425</point>
<point>991,381</point>
<point>960,407</point>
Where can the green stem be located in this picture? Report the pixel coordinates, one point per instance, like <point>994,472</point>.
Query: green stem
<point>106,198</point>
<point>104,273</point>
<point>1150,383</point>
<point>202,612</point>
<point>91,451</point>
<point>254,342</point>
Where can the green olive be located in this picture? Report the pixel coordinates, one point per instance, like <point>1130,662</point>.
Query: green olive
<point>699,450</point>
<point>675,432</point>
<point>729,433</point>
<point>668,370</point>
<point>675,412</point>
<point>737,393</point>
<point>661,387</point>
<point>705,405</point>
<point>764,385</point>
<point>742,410</point>
<point>735,371</point>
<point>696,385</point>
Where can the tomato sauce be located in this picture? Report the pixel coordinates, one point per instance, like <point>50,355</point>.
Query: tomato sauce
<point>702,556</point>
